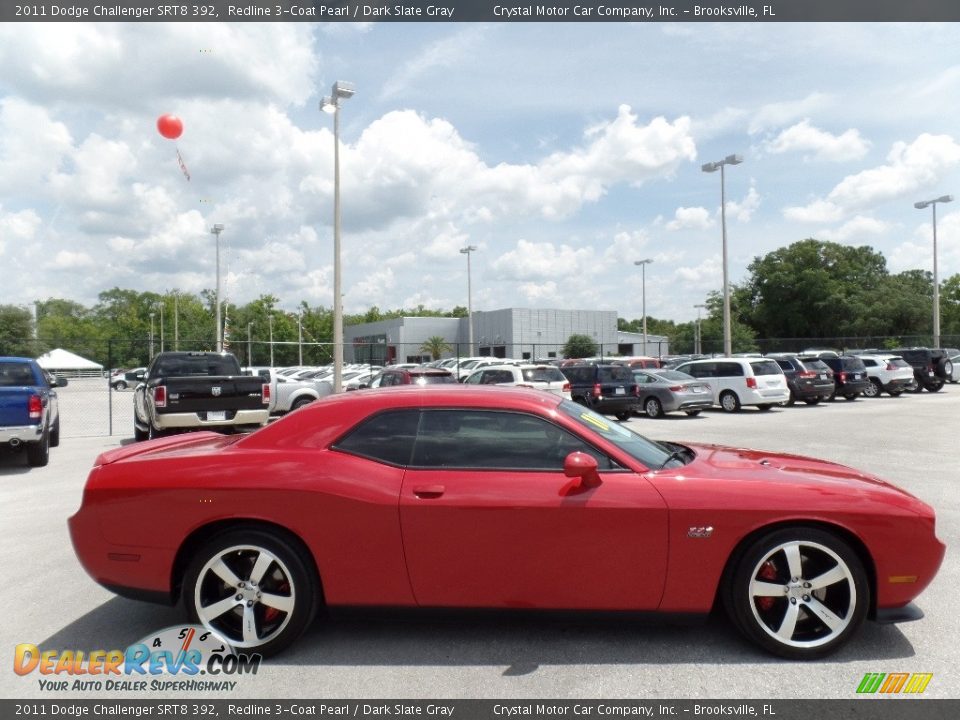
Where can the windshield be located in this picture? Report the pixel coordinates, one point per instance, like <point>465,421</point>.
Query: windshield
<point>652,454</point>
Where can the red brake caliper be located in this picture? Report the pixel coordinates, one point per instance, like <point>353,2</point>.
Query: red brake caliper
<point>270,614</point>
<point>768,571</point>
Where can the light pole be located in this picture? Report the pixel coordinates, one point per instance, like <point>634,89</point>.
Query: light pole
<point>249,345</point>
<point>713,167</point>
<point>936,277</point>
<point>643,274</point>
<point>341,91</point>
<point>466,251</point>
<point>160,305</point>
<point>216,230</point>
<point>698,344</point>
<point>270,319</point>
<point>151,334</point>
<point>176,320</point>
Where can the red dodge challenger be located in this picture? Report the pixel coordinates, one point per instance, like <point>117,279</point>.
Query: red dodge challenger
<point>492,497</point>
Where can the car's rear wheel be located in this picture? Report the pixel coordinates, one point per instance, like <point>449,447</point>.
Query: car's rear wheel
<point>623,416</point>
<point>652,407</point>
<point>764,407</point>
<point>729,401</point>
<point>253,588</point>
<point>138,433</point>
<point>812,401</point>
<point>873,389</point>
<point>119,385</point>
<point>851,396</point>
<point>935,386</point>
<point>300,402</point>
<point>38,453</point>
<point>799,593</point>
<point>692,413</point>
<point>55,434</point>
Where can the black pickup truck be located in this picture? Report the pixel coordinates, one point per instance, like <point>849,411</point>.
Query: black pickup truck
<point>198,391</point>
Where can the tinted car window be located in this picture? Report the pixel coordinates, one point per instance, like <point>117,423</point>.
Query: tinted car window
<point>579,374</point>
<point>14,374</point>
<point>815,365</point>
<point>765,367</point>
<point>651,454</point>
<point>544,374</point>
<point>615,373</point>
<point>186,365</point>
<point>785,364</point>
<point>386,437</point>
<point>490,439</point>
<point>853,364</point>
<point>492,377</point>
<point>729,369</point>
<point>898,362</point>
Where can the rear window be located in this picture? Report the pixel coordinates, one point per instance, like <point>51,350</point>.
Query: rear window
<point>616,373</point>
<point>14,374</point>
<point>544,374</point>
<point>815,365</point>
<point>898,362</point>
<point>765,367</point>
<point>853,363</point>
<point>432,379</point>
<point>186,365</point>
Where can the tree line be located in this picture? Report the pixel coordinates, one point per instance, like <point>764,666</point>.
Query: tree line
<point>810,292</point>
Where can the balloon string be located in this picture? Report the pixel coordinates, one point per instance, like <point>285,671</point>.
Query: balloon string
<point>183,165</point>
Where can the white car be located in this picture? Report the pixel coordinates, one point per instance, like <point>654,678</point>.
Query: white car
<point>739,381</point>
<point>539,377</point>
<point>887,373</point>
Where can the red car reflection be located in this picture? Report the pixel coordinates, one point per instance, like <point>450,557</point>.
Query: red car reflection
<point>488,497</point>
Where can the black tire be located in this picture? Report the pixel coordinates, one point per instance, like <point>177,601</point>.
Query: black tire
<point>120,385</point>
<point>55,434</point>
<point>764,408</point>
<point>153,433</point>
<point>729,401</point>
<point>38,453</point>
<point>300,402</point>
<point>623,415</point>
<point>916,387</point>
<point>139,434</point>
<point>774,582</point>
<point>812,401</point>
<point>874,389</point>
<point>944,368</point>
<point>653,407</point>
<point>934,386</point>
<point>286,574</point>
<point>896,393</point>
<point>692,413</point>
<point>851,396</point>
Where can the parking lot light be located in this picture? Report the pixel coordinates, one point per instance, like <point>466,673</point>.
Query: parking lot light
<point>936,278</point>
<point>216,230</point>
<point>466,251</point>
<point>713,167</point>
<point>643,294</point>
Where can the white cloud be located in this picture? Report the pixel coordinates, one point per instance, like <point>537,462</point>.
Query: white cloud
<point>818,144</point>
<point>857,227</point>
<point>67,260</point>
<point>774,115</point>
<point>742,210</point>
<point>690,218</point>
<point>545,260</point>
<point>910,168</point>
<point>917,252</point>
<point>26,166</point>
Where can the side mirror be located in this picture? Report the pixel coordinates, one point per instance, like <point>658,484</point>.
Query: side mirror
<point>59,381</point>
<point>583,467</point>
<point>140,376</point>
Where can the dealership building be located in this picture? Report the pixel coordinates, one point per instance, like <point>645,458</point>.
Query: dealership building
<point>520,333</point>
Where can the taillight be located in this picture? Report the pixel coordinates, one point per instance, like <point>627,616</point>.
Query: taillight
<point>891,366</point>
<point>806,374</point>
<point>752,383</point>
<point>597,390</point>
<point>566,387</point>
<point>35,407</point>
<point>265,394</point>
<point>676,388</point>
<point>160,396</point>
<point>843,377</point>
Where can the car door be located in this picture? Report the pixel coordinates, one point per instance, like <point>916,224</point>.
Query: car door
<point>490,520</point>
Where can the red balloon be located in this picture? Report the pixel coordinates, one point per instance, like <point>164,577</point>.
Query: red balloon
<point>170,126</point>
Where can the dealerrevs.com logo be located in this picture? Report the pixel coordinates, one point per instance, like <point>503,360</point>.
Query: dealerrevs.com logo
<point>153,663</point>
<point>894,683</point>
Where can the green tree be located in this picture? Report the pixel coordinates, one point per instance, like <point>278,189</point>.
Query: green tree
<point>579,346</point>
<point>435,346</point>
<point>16,332</point>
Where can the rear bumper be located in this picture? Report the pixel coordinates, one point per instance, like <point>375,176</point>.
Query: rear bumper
<point>22,433</point>
<point>169,421</point>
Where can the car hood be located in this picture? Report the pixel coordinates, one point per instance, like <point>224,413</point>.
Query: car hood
<point>757,471</point>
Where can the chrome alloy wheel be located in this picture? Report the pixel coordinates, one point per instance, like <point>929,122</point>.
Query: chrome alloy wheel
<point>802,594</point>
<point>246,594</point>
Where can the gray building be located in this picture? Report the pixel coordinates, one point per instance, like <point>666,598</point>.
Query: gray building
<point>520,333</point>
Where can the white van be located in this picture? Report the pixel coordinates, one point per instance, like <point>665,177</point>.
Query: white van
<point>741,381</point>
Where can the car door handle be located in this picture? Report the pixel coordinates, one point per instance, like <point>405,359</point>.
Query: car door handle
<point>429,491</point>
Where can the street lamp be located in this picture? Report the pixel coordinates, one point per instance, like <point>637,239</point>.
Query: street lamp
<point>151,335</point>
<point>643,274</point>
<point>713,167</point>
<point>466,251</point>
<point>160,306</point>
<point>216,230</point>
<point>698,345</point>
<point>270,320</point>
<point>249,345</point>
<point>936,277</point>
<point>331,104</point>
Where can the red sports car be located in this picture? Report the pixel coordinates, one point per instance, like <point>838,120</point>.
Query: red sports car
<point>486,497</point>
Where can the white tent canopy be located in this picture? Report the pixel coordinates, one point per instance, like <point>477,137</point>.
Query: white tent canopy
<point>64,360</point>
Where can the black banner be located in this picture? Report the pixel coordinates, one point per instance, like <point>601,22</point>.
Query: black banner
<point>866,708</point>
<point>481,11</point>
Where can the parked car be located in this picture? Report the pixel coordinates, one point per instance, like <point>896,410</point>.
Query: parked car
<point>287,394</point>
<point>663,391</point>
<point>29,408</point>
<point>416,375</point>
<point>849,375</point>
<point>539,377</point>
<point>122,379</point>
<point>501,498</point>
<point>810,380</point>
<point>931,368</point>
<point>736,382</point>
<point>608,389</point>
<point>887,373</point>
<point>640,362</point>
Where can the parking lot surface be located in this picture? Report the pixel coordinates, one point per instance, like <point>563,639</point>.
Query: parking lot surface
<point>910,440</point>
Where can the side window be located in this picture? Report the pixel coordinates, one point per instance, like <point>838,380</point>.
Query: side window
<point>485,440</point>
<point>474,378</point>
<point>869,363</point>
<point>386,437</point>
<point>785,365</point>
<point>729,369</point>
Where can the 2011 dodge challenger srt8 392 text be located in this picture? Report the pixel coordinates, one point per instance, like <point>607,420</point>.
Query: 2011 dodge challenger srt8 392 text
<point>489,497</point>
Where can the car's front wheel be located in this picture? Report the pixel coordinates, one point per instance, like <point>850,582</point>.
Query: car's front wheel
<point>800,593</point>
<point>730,402</point>
<point>652,407</point>
<point>253,588</point>
<point>873,389</point>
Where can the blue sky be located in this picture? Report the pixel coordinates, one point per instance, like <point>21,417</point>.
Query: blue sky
<point>563,151</point>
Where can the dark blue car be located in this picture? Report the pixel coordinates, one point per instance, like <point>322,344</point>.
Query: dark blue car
<point>29,415</point>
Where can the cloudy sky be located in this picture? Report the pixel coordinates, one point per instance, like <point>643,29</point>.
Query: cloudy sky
<point>564,152</point>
